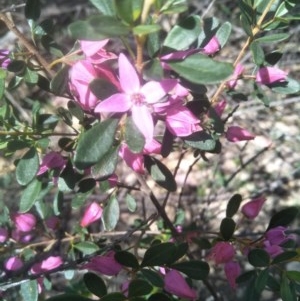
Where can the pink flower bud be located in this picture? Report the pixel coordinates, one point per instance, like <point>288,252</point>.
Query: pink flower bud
<point>252,208</point>
<point>48,264</point>
<point>270,75</point>
<point>222,252</point>
<point>52,222</point>
<point>277,236</point>
<point>235,134</point>
<point>22,237</point>
<point>52,160</point>
<point>4,59</point>
<point>220,107</point>
<point>24,222</point>
<point>13,263</point>
<point>104,264</point>
<point>92,213</point>
<point>3,235</point>
<point>232,271</point>
<point>238,71</point>
<point>212,46</point>
<point>175,284</point>
<point>273,250</point>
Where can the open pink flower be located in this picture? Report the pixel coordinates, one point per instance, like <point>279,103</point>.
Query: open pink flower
<point>270,75</point>
<point>92,213</point>
<point>52,160</point>
<point>24,222</point>
<point>222,252</point>
<point>48,264</point>
<point>13,263</point>
<point>104,264</point>
<point>136,98</point>
<point>175,284</point>
<point>212,46</point>
<point>232,271</point>
<point>252,208</point>
<point>236,134</point>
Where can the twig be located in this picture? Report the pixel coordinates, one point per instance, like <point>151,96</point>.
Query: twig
<point>12,8</point>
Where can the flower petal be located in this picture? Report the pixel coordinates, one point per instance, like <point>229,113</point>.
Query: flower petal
<point>129,78</point>
<point>143,120</point>
<point>119,102</point>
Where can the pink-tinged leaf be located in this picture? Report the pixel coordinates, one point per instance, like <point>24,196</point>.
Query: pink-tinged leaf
<point>119,102</point>
<point>129,78</point>
<point>143,120</point>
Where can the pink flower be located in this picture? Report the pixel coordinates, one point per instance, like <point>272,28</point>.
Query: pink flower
<point>92,213</point>
<point>48,264</point>
<point>222,252</point>
<point>270,75</point>
<point>3,235</point>
<point>212,46</point>
<point>4,59</point>
<point>273,250</point>
<point>136,98</point>
<point>136,160</point>
<point>236,133</point>
<point>13,263</point>
<point>24,222</point>
<point>252,208</point>
<point>104,264</point>
<point>52,222</point>
<point>52,160</point>
<point>232,271</point>
<point>220,107</point>
<point>277,236</point>
<point>238,71</point>
<point>22,237</point>
<point>176,285</point>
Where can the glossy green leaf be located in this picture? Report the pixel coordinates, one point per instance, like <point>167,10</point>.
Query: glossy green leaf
<point>111,214</point>
<point>76,110</point>
<point>257,53</point>
<point>285,256</point>
<point>200,69</point>
<point>273,283</point>
<point>60,82</point>
<point>293,275</point>
<point>16,66</point>
<point>107,8</point>
<point>194,269</point>
<point>70,297</point>
<point>181,36</point>
<point>98,27</point>
<point>153,277</point>
<point>95,284</point>
<point>273,38</point>
<point>227,228</point>
<point>139,287</point>
<point>158,254</point>
<point>30,76</point>
<point>259,258</point>
<point>174,6</point>
<point>131,202</point>
<point>107,164</point>
<point>127,259</point>
<point>283,217</point>
<point>287,292</point>
<point>145,29</point>
<point>201,140</point>
<point>246,276</point>
<point>233,205</point>
<point>160,173</point>
<point>134,139</point>
<point>102,88</point>
<point>223,33</point>
<point>95,143</point>
<point>27,167</point>
<point>30,195</point>
<point>32,11</point>
<point>86,247</point>
<point>29,290</point>
<point>125,10</point>
<point>290,86</point>
<point>261,280</point>
<point>113,297</point>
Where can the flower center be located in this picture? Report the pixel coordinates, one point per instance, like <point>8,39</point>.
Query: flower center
<point>138,99</point>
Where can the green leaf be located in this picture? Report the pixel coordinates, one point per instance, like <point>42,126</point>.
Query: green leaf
<point>257,53</point>
<point>124,10</point>
<point>95,284</point>
<point>293,275</point>
<point>134,139</point>
<point>223,33</point>
<point>261,280</point>
<point>158,297</point>
<point>76,110</point>
<point>127,259</point>
<point>259,258</point>
<point>107,8</point>
<point>246,276</point>
<point>71,297</point>
<point>290,86</point>
<point>145,29</point>
<point>29,290</point>
<point>233,205</point>
<point>273,38</point>
<point>285,256</point>
<point>200,69</point>
<point>160,173</point>
<point>153,70</point>
<point>60,82</point>
<point>16,66</point>
<point>27,167</point>
<point>30,76</point>
<point>107,164</point>
<point>30,195</point>
<point>174,6</point>
<point>194,269</point>
<point>201,140</point>
<point>86,247</point>
<point>131,202</point>
<point>32,11</point>
<point>113,297</point>
<point>283,217</point>
<point>153,277</point>
<point>139,287</point>
<point>273,283</point>
<point>227,228</point>
<point>111,214</point>
<point>97,28</point>
<point>286,292</point>
<point>102,88</point>
<point>158,254</point>
<point>181,36</point>
<point>95,143</point>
